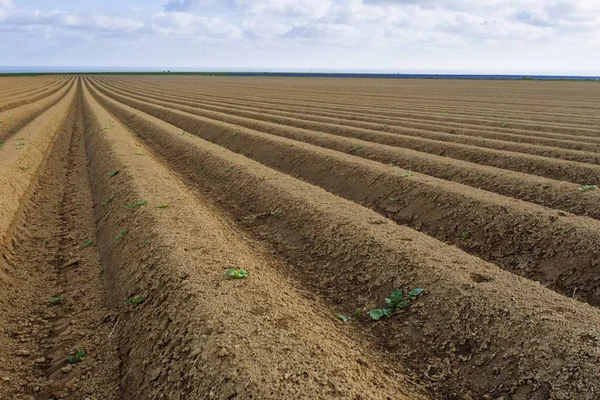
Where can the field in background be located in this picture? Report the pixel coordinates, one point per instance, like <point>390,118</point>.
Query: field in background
<point>126,199</point>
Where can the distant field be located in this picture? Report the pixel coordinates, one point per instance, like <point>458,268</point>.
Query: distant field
<point>125,199</point>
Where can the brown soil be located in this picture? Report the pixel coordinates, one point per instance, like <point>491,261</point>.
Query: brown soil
<point>257,174</point>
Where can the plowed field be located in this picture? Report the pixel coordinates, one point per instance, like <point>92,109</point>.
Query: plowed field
<point>125,199</point>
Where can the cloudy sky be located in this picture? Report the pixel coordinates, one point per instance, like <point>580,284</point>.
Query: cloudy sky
<point>518,36</point>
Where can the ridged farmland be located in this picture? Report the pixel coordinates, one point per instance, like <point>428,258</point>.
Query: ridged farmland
<point>125,199</point>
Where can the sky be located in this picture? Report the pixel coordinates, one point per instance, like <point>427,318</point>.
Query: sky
<point>429,36</point>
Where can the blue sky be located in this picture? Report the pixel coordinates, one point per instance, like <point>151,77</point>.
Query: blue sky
<point>518,36</point>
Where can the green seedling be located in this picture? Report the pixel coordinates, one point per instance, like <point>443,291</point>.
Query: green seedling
<point>276,213</point>
<point>357,314</point>
<point>236,273</point>
<point>111,198</point>
<point>391,164</point>
<point>138,154</point>
<point>385,127</point>
<point>394,198</point>
<point>77,358</point>
<point>236,132</point>
<point>164,205</point>
<point>356,148</point>
<point>137,204</point>
<point>121,235</point>
<point>113,173</point>
<point>396,301</point>
<point>135,300</point>
<point>405,175</point>
<point>182,133</point>
<point>504,125</point>
<point>55,300</point>
<point>588,188</point>
<point>230,169</point>
<point>22,168</point>
<point>46,241</point>
<point>87,243</point>
<point>465,235</point>
<point>344,318</point>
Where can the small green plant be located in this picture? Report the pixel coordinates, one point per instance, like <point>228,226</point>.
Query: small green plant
<point>356,148</point>
<point>164,205</point>
<point>138,154</point>
<point>230,168</point>
<point>396,301</point>
<point>236,273</point>
<point>46,241</point>
<point>465,235</point>
<point>113,173</point>
<point>137,204</point>
<point>135,300</point>
<point>236,132</point>
<point>344,318</point>
<point>87,243</point>
<point>504,125</point>
<point>182,133</point>
<point>394,198</point>
<point>55,300</point>
<point>121,235</point>
<point>276,213</point>
<point>77,358</point>
<point>23,168</point>
<point>588,188</point>
<point>111,198</point>
<point>405,175</point>
<point>391,164</point>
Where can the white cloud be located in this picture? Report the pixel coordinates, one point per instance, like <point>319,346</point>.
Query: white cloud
<point>182,24</point>
<point>340,31</point>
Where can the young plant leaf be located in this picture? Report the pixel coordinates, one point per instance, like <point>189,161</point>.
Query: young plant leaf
<point>343,317</point>
<point>236,273</point>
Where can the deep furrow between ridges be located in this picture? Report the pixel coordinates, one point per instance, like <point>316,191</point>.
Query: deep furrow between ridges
<point>354,257</point>
<point>410,107</point>
<point>446,125</point>
<point>10,105</point>
<point>550,168</point>
<point>381,125</point>
<point>13,120</point>
<point>398,132</point>
<point>25,279</point>
<point>197,332</point>
<point>533,245</point>
<point>53,266</point>
<point>23,156</point>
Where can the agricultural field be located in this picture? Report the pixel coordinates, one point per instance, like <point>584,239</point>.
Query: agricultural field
<point>191,237</point>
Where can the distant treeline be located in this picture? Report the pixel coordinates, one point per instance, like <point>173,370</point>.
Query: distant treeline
<point>330,75</point>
